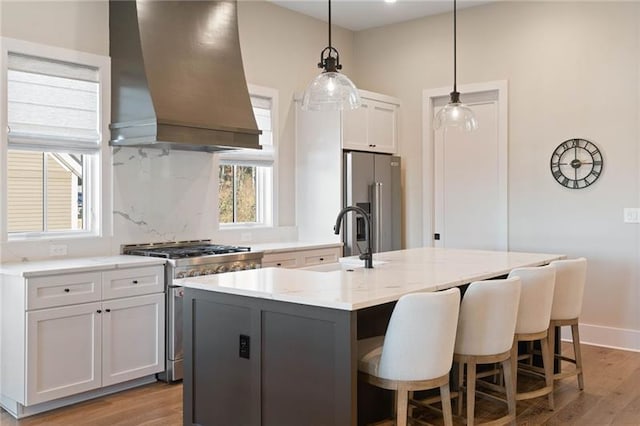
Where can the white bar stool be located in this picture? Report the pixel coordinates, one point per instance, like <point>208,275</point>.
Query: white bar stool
<point>567,304</point>
<point>416,352</point>
<point>485,336</point>
<point>534,314</point>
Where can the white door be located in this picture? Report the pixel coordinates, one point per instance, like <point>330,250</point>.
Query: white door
<point>63,351</point>
<point>133,338</point>
<point>470,177</point>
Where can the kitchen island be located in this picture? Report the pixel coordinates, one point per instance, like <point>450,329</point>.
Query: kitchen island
<point>279,347</point>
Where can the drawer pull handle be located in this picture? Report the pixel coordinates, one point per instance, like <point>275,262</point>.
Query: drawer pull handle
<point>66,290</point>
<point>135,281</point>
<point>99,311</point>
<point>278,264</point>
<point>322,259</point>
<point>107,310</point>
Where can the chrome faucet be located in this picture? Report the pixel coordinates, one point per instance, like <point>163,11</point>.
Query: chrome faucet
<point>367,256</point>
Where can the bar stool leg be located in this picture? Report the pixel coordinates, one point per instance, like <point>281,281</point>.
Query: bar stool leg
<point>575,336</point>
<point>460,397</point>
<point>402,402</point>
<point>471,391</point>
<point>547,359</point>
<point>509,386</point>
<point>514,367</point>
<point>446,405</point>
<point>551,339</point>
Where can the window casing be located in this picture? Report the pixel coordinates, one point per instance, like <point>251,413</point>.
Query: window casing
<point>52,148</point>
<point>246,188</point>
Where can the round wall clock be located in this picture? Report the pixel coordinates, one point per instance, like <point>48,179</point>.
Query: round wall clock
<point>576,163</point>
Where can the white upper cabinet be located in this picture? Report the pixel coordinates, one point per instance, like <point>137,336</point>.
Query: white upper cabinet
<point>373,126</point>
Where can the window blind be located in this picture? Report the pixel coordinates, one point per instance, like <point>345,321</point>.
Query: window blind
<point>51,105</point>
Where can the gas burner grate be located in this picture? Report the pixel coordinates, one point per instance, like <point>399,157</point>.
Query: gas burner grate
<point>181,252</point>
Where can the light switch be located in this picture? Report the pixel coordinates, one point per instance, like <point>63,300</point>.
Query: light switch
<point>631,215</point>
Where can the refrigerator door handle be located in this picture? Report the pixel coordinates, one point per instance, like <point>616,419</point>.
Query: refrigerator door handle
<point>377,212</point>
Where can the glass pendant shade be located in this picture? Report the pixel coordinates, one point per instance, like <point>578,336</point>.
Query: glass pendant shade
<point>331,91</point>
<point>456,114</point>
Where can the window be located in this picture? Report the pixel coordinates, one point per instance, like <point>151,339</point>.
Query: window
<point>246,178</point>
<point>53,141</point>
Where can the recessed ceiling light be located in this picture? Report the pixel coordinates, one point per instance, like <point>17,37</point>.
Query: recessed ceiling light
<point>390,1</point>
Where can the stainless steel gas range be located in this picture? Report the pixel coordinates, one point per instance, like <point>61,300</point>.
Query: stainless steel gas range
<point>190,259</point>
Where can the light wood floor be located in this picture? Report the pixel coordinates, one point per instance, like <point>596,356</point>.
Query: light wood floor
<point>611,397</point>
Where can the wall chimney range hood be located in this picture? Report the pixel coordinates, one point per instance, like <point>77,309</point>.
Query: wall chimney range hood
<point>177,76</point>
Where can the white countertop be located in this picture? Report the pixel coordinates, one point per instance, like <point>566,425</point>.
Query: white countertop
<point>292,245</point>
<point>82,264</point>
<point>397,273</point>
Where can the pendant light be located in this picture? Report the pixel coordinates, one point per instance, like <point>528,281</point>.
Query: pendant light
<point>330,91</point>
<point>455,113</point>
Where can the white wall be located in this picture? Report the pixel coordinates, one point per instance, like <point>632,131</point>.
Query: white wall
<point>160,197</point>
<point>573,71</point>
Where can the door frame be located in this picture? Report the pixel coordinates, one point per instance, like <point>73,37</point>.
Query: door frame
<point>428,145</point>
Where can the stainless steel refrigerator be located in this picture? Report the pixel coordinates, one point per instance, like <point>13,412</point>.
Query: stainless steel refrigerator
<point>372,182</point>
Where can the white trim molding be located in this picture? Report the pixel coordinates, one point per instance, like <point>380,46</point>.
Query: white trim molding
<point>608,337</point>
<point>428,155</point>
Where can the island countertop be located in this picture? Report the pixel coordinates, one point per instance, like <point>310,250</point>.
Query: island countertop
<point>351,287</point>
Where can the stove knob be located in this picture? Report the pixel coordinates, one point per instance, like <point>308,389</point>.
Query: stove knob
<point>194,273</point>
<point>221,268</point>
<point>181,274</point>
<point>236,267</point>
<point>254,266</point>
<point>209,272</point>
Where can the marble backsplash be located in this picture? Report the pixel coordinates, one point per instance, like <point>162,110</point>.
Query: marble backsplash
<point>161,195</point>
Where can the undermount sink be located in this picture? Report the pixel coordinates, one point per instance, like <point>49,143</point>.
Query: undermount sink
<point>347,265</point>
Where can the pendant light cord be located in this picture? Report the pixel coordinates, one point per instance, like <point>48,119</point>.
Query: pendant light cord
<point>455,89</point>
<point>329,23</point>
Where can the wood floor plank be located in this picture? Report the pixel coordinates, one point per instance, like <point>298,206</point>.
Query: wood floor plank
<point>611,397</point>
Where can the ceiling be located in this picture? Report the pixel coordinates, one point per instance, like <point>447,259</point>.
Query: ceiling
<point>359,15</point>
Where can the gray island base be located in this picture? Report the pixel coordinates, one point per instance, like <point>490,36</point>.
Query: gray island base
<point>278,347</point>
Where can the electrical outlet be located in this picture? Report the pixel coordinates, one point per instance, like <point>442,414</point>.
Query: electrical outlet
<point>245,346</point>
<point>58,250</point>
<point>631,215</point>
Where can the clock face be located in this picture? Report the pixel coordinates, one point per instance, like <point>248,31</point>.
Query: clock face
<point>576,163</point>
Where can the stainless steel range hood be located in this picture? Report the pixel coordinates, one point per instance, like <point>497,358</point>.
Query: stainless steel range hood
<point>177,76</point>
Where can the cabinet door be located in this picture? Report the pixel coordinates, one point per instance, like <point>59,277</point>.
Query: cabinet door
<point>382,126</point>
<point>132,338</point>
<point>355,128</point>
<point>63,352</point>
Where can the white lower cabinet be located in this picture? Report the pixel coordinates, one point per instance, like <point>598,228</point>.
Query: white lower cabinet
<point>58,351</point>
<point>64,350</point>
<point>132,338</point>
<point>301,258</point>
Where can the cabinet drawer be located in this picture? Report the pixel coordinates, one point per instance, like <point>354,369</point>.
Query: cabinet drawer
<point>132,282</point>
<point>289,261</point>
<point>316,257</point>
<point>59,290</point>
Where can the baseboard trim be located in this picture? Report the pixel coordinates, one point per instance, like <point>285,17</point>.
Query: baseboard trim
<point>608,337</point>
<point>19,411</point>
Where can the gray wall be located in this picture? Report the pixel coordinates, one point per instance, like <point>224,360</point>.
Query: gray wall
<point>573,71</point>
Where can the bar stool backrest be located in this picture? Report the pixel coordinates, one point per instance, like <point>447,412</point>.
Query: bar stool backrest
<point>569,289</point>
<point>488,317</point>
<point>536,298</point>
<point>418,344</point>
